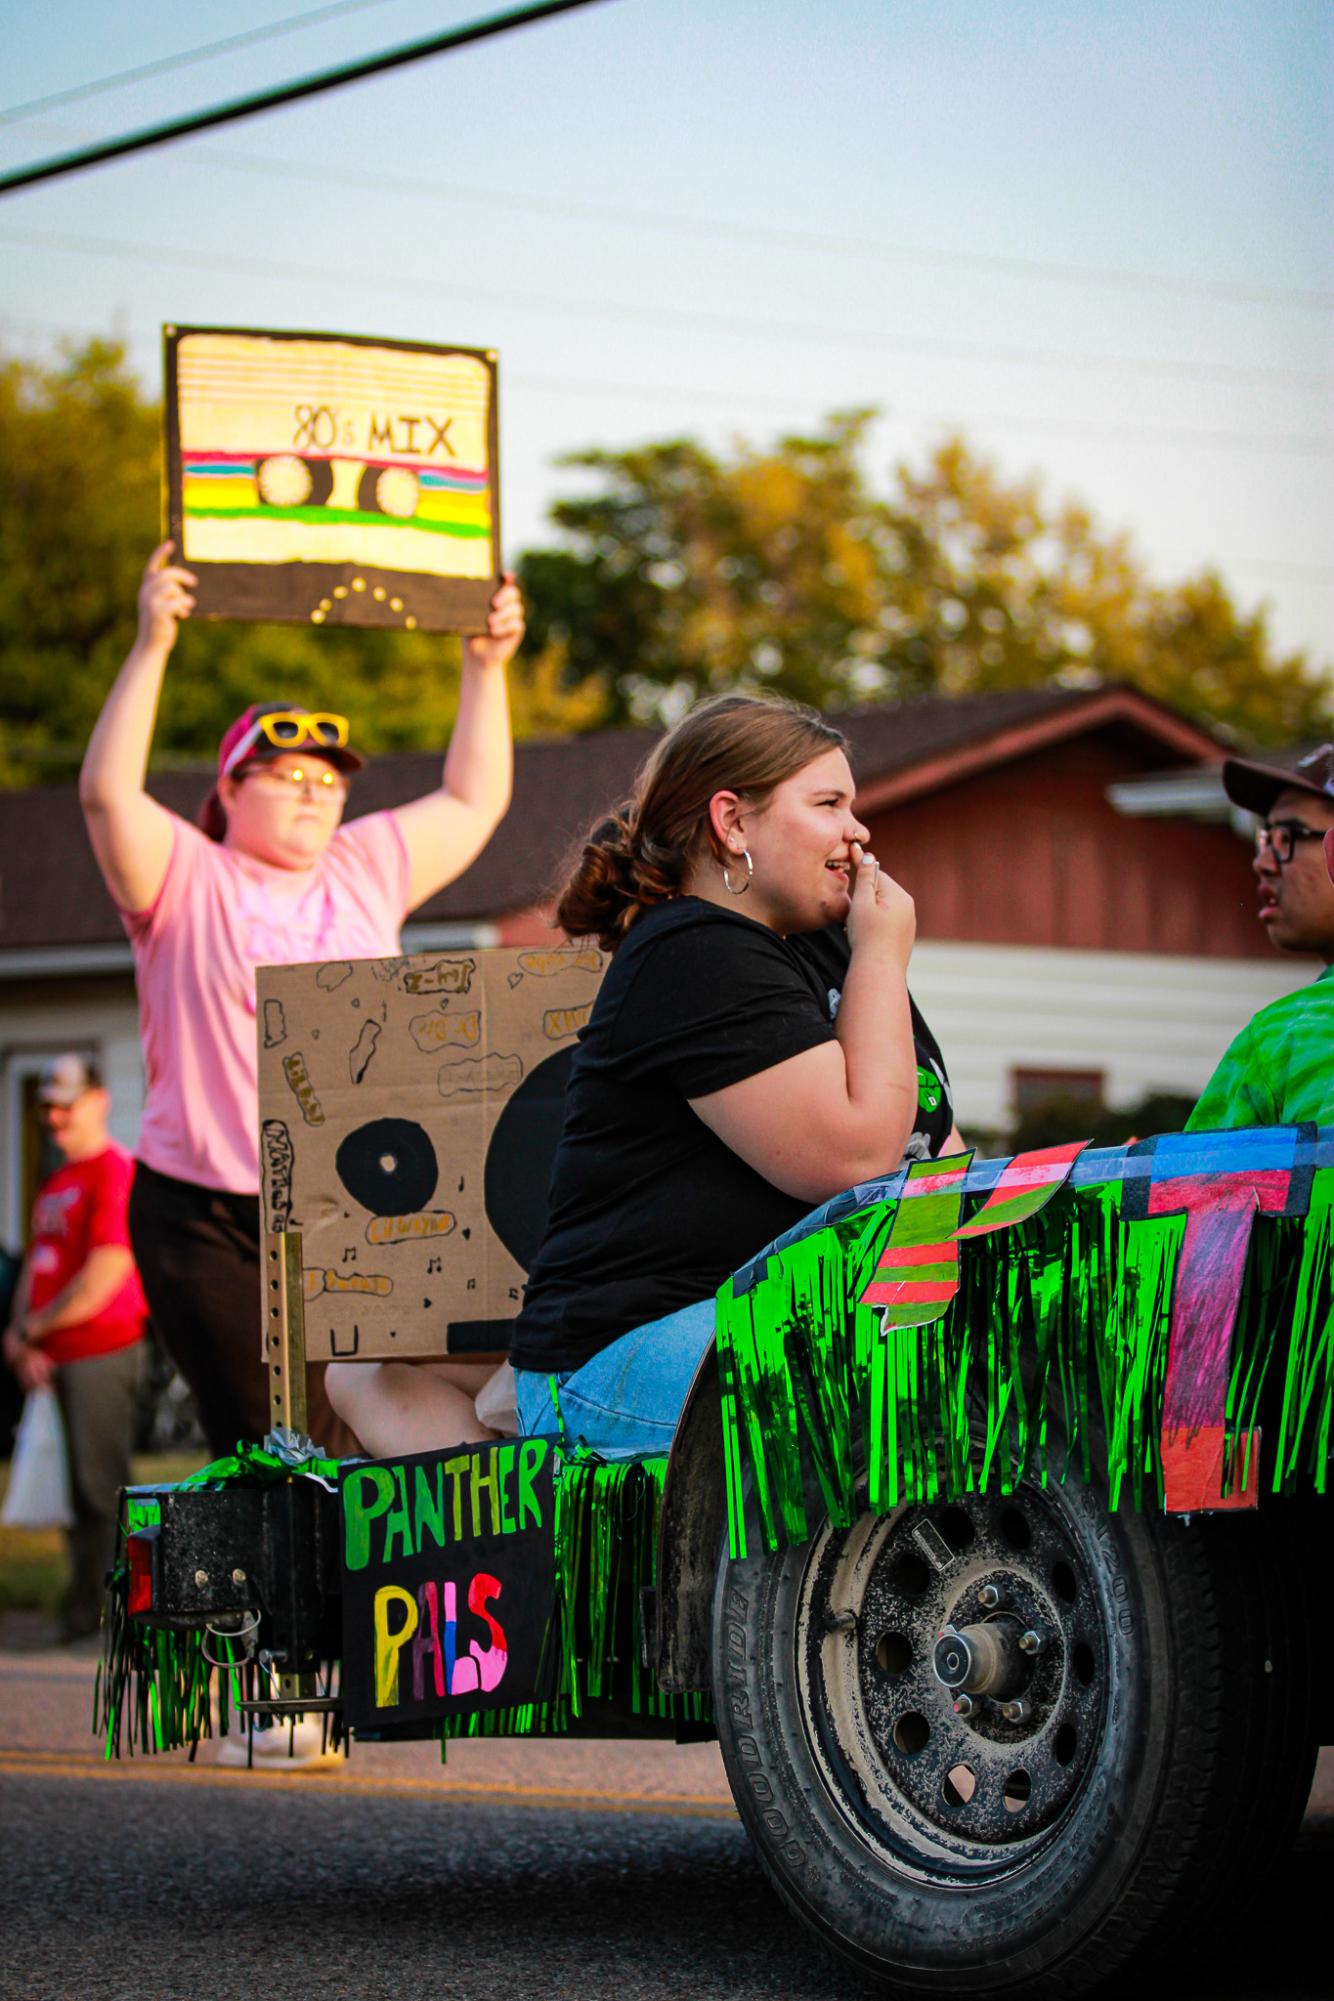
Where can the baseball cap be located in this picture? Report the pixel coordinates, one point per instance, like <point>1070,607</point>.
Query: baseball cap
<point>234,751</point>
<point>1257,786</point>
<point>65,1079</point>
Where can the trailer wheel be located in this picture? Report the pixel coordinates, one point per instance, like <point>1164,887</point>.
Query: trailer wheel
<point>997,1747</point>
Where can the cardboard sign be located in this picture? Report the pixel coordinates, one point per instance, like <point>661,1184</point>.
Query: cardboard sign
<point>329,479</point>
<point>409,1115</point>
<point>448,1577</point>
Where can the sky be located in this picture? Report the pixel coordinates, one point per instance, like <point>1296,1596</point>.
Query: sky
<point>1095,236</point>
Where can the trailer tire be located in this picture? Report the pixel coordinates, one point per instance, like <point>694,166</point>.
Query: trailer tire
<point>1164,1754</point>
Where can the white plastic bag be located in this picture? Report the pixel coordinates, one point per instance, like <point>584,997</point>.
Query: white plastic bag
<point>38,1496</point>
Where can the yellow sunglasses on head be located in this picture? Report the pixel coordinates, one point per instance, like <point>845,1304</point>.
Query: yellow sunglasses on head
<point>288,729</point>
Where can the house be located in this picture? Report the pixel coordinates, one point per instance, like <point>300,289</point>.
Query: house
<point>1086,908</point>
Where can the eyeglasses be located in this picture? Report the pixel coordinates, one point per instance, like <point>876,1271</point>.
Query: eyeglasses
<point>288,729</point>
<point>1279,838</point>
<point>323,783</point>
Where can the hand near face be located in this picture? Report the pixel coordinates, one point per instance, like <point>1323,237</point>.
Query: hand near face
<point>882,914</point>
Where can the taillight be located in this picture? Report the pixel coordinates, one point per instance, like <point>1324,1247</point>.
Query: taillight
<point>141,1549</point>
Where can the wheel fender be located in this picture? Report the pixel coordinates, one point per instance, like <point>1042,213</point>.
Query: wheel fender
<point>694,1520</point>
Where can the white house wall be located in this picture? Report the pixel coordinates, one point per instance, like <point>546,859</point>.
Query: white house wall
<point>1148,1023</point>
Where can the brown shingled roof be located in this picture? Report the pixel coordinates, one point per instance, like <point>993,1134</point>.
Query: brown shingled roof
<point>51,893</point>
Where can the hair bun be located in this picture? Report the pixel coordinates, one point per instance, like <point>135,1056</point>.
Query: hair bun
<point>611,881</point>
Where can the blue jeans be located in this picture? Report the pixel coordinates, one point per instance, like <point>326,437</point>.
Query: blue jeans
<point>627,1400</point>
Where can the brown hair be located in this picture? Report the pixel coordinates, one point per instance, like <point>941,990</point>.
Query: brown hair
<point>213,817</point>
<point>642,851</point>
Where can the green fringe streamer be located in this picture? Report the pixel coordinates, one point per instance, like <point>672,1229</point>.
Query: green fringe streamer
<point>1066,1314</point>
<point>606,1538</point>
<point>156,1688</point>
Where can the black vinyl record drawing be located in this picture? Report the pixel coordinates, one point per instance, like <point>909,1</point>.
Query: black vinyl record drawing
<point>389,1166</point>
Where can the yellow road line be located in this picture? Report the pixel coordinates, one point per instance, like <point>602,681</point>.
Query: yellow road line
<point>339,1780</point>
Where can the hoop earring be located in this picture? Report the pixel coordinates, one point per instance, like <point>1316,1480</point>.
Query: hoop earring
<point>729,885</point>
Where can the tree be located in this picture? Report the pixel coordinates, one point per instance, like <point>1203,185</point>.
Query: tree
<point>79,512</point>
<point>690,575</point>
<point>993,590</point>
<point>681,572</point>
<point>781,569</point>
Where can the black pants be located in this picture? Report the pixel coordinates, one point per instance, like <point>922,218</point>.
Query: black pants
<point>97,1401</point>
<point>197,1250</point>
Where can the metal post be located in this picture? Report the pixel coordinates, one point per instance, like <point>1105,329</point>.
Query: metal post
<point>285,1354</point>
<point>285,1331</point>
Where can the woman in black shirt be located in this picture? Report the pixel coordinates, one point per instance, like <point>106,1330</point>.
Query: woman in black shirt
<point>753,1050</point>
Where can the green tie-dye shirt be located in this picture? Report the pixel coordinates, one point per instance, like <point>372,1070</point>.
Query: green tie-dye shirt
<point>1280,1069</point>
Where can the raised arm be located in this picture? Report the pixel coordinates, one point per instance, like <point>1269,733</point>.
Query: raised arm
<point>448,828</point>
<point>131,833</point>
<point>842,1112</point>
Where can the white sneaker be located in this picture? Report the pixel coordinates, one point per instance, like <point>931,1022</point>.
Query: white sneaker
<point>283,1747</point>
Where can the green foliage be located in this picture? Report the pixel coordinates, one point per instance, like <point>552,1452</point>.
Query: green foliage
<point>781,569</point>
<point>682,572</point>
<point>79,514</point>
<point>689,575</point>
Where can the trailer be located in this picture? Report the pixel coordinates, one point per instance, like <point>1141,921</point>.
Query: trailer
<point>990,1546</point>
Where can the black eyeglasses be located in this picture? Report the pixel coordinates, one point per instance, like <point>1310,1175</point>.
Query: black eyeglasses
<point>1279,838</point>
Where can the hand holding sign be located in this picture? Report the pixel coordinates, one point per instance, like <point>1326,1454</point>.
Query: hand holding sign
<point>496,647</point>
<point>164,599</point>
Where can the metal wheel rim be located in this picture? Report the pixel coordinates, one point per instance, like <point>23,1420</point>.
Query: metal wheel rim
<point>899,1784</point>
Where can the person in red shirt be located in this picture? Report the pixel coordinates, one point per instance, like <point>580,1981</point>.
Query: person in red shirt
<point>78,1320</point>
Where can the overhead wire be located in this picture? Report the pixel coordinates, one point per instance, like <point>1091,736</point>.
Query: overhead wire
<point>1318,575</point>
<point>79,93</point>
<point>773,236</point>
<point>288,93</point>
<point>943,347</point>
<point>1021,422</point>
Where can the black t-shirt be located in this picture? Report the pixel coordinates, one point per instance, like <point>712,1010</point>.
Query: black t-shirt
<point>650,1210</point>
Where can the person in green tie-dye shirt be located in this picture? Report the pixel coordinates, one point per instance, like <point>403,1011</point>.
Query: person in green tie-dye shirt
<point>1280,1069</point>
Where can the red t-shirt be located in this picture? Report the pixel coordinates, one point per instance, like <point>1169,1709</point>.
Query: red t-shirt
<point>82,1206</point>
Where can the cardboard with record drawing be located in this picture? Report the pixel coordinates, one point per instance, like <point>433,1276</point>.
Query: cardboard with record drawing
<point>333,479</point>
<point>409,1113</point>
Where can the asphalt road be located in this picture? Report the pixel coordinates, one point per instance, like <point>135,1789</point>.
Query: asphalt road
<point>585,1871</point>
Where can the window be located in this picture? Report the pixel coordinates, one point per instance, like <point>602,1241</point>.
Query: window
<point>1032,1088</point>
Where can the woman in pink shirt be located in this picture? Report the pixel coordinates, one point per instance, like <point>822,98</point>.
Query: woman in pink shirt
<point>270,877</point>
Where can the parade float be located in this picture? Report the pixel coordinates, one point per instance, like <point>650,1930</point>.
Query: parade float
<point>990,1545</point>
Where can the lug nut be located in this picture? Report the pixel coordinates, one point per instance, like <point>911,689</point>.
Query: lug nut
<point>1016,1711</point>
<point>201,1578</point>
<point>238,1577</point>
<point>964,1706</point>
<point>1030,1643</point>
<point>988,1597</point>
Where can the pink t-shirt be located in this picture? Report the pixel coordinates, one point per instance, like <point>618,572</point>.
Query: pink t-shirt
<point>218,915</point>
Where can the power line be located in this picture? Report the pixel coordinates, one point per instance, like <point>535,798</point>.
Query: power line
<point>1142,434</point>
<point>601,387</point>
<point>932,347</point>
<point>78,92</point>
<point>767,236</point>
<point>772,237</point>
<point>288,93</point>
